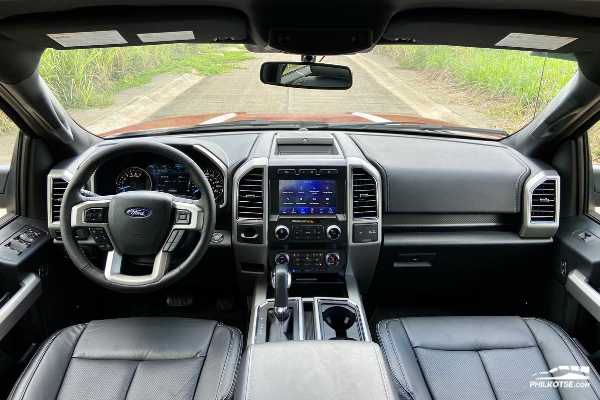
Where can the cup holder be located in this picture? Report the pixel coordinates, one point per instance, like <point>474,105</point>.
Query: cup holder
<point>341,321</point>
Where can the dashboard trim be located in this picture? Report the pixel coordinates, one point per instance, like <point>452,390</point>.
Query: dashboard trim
<point>220,165</point>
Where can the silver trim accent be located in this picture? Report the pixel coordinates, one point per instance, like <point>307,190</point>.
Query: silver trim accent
<point>539,229</point>
<point>114,258</point>
<point>249,252</point>
<point>286,229</point>
<point>287,256</point>
<point>220,165</point>
<point>362,257</point>
<point>289,279</point>
<point>361,321</point>
<point>584,293</point>
<point>330,227</point>
<point>19,303</point>
<point>255,324</point>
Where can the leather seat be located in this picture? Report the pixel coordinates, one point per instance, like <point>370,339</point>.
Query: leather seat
<point>484,358</point>
<point>135,358</point>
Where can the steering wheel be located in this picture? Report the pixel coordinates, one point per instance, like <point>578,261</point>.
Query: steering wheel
<point>139,223</point>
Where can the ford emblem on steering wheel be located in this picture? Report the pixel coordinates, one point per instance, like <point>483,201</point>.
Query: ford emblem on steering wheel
<point>138,212</point>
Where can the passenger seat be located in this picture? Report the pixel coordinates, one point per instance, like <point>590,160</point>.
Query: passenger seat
<point>485,358</point>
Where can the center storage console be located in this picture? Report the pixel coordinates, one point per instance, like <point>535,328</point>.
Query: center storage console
<point>314,370</point>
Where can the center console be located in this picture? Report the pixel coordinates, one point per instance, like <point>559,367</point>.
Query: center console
<point>307,225</point>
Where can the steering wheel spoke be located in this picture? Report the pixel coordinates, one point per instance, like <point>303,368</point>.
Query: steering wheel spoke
<point>114,264</point>
<point>189,216</point>
<point>93,214</point>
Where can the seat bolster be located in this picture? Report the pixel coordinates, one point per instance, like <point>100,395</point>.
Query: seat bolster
<point>401,358</point>
<point>559,350</point>
<point>221,366</point>
<point>43,376</point>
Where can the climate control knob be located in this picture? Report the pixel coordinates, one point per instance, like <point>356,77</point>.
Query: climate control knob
<point>332,260</point>
<point>334,232</point>
<point>282,232</point>
<point>282,258</point>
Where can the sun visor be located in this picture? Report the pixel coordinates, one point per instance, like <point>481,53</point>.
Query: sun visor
<point>496,29</point>
<point>125,26</point>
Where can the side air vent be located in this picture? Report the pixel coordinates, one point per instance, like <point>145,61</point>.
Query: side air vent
<point>364,194</point>
<point>250,195</point>
<point>59,186</point>
<point>543,202</point>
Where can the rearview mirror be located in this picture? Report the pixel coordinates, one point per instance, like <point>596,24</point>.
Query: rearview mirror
<point>306,75</point>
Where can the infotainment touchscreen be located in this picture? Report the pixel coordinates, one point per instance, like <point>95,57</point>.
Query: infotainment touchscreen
<point>307,197</point>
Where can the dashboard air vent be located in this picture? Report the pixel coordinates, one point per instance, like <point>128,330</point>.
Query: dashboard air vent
<point>59,186</point>
<point>364,194</point>
<point>250,195</point>
<point>543,202</point>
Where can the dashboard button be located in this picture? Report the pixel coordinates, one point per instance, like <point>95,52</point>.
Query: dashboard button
<point>307,171</point>
<point>184,217</point>
<point>328,172</point>
<point>285,171</point>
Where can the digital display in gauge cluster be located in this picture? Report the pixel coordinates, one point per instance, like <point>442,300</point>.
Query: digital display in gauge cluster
<point>167,178</point>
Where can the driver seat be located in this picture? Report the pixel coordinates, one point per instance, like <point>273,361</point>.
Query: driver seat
<point>134,358</point>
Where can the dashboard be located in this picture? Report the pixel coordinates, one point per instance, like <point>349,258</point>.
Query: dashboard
<point>327,203</point>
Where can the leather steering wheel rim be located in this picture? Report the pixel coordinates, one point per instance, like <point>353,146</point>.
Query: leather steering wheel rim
<point>72,197</point>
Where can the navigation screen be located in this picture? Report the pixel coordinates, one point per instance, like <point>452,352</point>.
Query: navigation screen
<point>306,197</point>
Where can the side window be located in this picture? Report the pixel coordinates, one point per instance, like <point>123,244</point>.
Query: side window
<point>594,186</point>
<point>8,138</point>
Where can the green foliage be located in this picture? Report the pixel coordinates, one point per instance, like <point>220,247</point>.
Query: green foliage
<point>86,78</point>
<point>502,73</point>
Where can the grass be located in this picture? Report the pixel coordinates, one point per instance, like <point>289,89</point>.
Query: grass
<point>88,78</point>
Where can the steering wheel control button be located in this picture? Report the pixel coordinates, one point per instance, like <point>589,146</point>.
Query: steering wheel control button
<point>101,238</point>
<point>282,232</point>
<point>173,240</point>
<point>286,171</point>
<point>364,233</point>
<point>282,258</point>
<point>332,260</point>
<point>184,217</point>
<point>94,215</point>
<point>334,232</point>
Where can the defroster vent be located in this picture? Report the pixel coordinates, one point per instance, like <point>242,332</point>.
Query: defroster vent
<point>251,195</point>
<point>364,194</point>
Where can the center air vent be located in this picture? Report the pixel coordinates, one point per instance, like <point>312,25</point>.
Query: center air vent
<point>59,186</point>
<point>364,194</point>
<point>543,202</point>
<point>250,195</point>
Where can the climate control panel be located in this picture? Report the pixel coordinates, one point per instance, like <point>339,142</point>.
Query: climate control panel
<point>308,230</point>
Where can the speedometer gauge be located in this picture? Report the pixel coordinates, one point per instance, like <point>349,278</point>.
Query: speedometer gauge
<point>215,179</point>
<point>133,178</point>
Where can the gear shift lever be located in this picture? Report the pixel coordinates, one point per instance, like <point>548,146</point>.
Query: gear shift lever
<point>281,281</point>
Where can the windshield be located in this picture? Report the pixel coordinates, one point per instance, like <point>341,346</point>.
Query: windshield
<point>127,89</point>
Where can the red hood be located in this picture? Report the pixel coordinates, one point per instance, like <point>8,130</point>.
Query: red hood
<point>357,117</point>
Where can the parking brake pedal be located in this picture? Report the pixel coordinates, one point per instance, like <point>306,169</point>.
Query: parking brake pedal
<point>182,300</point>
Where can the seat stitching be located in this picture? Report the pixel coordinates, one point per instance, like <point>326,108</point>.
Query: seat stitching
<point>249,372</point>
<point>553,326</point>
<point>396,380</point>
<point>38,363</point>
<point>500,348</point>
<point>381,375</point>
<point>132,377</point>
<point>387,330</point>
<point>487,374</point>
<point>226,360</point>
<point>132,359</point>
<point>205,358</point>
<point>536,342</point>
<point>229,394</point>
